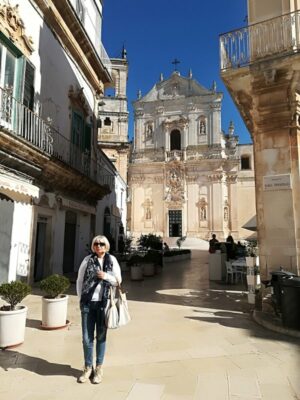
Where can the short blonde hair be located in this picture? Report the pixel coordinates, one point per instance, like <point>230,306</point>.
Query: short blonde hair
<point>100,238</point>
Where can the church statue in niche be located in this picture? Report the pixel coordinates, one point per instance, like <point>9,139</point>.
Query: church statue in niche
<point>148,213</point>
<point>149,131</point>
<point>203,213</point>
<point>202,126</point>
<point>226,214</point>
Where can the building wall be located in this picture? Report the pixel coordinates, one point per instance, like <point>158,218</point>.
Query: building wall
<point>40,221</point>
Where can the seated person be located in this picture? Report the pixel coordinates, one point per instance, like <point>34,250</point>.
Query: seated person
<point>212,244</point>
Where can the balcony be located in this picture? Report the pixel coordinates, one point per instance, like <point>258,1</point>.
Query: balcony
<point>42,145</point>
<point>265,40</point>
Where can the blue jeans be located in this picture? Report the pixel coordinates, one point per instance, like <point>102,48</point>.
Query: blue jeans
<point>93,316</point>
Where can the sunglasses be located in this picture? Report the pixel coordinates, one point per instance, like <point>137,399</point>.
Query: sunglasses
<point>99,244</point>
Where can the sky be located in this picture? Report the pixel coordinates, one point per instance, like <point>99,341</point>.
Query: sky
<point>156,32</point>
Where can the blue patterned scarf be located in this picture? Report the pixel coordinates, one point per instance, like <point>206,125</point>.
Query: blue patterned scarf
<point>90,280</point>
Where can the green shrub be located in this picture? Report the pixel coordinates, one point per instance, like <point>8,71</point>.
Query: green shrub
<point>14,292</point>
<point>150,241</point>
<point>54,285</point>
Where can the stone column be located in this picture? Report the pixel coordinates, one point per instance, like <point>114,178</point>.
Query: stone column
<point>215,204</point>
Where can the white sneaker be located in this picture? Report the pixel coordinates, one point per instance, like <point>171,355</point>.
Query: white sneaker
<point>87,372</point>
<point>98,374</point>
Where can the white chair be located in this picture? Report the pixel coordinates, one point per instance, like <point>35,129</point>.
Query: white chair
<point>240,273</point>
<point>230,272</point>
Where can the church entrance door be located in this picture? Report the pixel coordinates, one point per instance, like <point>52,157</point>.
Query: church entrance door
<point>175,223</point>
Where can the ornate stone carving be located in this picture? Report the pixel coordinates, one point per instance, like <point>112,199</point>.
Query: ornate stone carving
<point>160,110</point>
<point>139,112</point>
<point>148,205</point>
<point>12,25</point>
<point>202,206</point>
<point>217,177</point>
<point>215,106</point>
<point>137,179</point>
<point>192,178</point>
<point>180,122</point>
<point>174,182</point>
<point>158,179</point>
<point>77,98</point>
<point>231,178</point>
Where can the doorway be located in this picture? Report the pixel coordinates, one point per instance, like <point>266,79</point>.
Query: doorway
<point>175,223</point>
<point>69,241</point>
<point>40,249</point>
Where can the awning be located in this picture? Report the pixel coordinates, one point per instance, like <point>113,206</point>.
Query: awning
<point>19,186</point>
<point>251,224</point>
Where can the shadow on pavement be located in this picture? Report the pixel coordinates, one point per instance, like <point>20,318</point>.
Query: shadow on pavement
<point>33,323</point>
<point>10,359</point>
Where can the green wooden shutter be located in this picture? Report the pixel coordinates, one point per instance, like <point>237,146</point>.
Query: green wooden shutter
<point>87,137</point>
<point>28,90</point>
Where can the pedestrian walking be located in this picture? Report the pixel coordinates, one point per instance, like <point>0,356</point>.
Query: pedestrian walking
<point>97,272</point>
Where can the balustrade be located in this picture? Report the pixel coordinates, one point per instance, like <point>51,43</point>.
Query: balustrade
<point>270,38</point>
<point>20,121</point>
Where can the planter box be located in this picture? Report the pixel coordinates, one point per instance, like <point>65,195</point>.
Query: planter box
<point>54,312</point>
<point>148,269</point>
<point>12,327</point>
<point>123,266</point>
<point>136,273</point>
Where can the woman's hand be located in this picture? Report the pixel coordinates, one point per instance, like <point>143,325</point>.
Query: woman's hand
<point>100,274</point>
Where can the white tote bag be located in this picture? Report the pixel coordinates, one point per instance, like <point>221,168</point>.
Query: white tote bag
<point>122,306</point>
<point>117,313</point>
<point>111,313</point>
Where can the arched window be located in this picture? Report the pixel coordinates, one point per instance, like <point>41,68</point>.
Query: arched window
<point>175,140</point>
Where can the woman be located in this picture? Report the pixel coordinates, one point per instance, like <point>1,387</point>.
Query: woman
<point>96,274</point>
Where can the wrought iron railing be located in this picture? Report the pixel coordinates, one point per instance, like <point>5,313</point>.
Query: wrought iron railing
<point>266,39</point>
<point>22,122</point>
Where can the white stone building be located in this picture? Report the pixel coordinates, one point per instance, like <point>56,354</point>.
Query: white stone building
<point>186,176</point>
<point>53,176</point>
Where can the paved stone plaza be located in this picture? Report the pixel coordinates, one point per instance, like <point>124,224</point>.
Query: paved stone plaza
<point>189,339</point>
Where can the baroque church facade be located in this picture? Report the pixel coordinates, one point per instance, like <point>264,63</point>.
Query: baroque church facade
<point>186,177</point>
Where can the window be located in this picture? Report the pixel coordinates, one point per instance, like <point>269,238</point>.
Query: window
<point>107,121</point>
<point>16,79</point>
<point>7,70</point>
<point>175,140</point>
<point>245,162</point>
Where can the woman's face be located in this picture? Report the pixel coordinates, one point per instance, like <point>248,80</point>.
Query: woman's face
<point>99,248</point>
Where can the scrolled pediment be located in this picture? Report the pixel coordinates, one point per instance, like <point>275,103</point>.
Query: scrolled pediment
<point>13,26</point>
<point>78,99</point>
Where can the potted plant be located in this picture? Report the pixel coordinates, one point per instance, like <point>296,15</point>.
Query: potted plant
<point>136,270</point>
<point>148,263</point>
<point>54,302</point>
<point>12,315</point>
<point>125,250</point>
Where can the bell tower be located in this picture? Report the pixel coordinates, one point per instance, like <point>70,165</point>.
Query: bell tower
<point>113,117</point>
